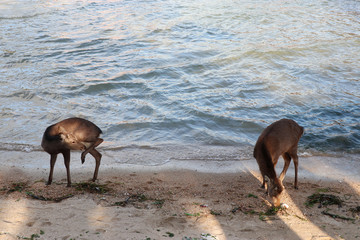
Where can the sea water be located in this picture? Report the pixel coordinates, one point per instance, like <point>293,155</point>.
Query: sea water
<point>195,80</point>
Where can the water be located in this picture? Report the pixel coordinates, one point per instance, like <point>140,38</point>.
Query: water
<point>168,77</point>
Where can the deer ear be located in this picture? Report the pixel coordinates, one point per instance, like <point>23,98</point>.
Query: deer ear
<point>62,136</point>
<point>62,130</point>
<point>63,133</point>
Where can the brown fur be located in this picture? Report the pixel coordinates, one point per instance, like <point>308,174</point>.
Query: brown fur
<point>281,138</point>
<point>72,134</point>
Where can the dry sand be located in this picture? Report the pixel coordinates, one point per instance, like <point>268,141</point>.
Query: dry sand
<point>166,202</point>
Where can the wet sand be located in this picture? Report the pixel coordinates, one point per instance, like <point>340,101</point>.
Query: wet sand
<point>178,200</point>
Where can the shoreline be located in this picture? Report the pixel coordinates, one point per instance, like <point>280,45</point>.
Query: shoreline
<point>344,167</point>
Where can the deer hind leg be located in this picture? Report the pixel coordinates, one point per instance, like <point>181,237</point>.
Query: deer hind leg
<point>92,147</point>
<point>97,157</point>
<point>287,159</point>
<point>52,164</point>
<point>296,163</point>
<point>66,155</point>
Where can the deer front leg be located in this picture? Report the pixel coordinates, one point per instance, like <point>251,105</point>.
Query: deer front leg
<point>91,147</point>
<point>97,157</point>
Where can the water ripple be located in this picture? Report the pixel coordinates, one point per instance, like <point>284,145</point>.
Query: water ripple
<point>189,72</point>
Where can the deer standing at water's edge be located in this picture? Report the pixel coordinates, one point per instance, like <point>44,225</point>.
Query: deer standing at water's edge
<point>72,134</point>
<point>281,138</point>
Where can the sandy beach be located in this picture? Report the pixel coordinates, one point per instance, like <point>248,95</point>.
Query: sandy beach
<point>177,201</point>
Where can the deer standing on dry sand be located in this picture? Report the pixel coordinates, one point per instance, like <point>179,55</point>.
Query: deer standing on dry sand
<point>281,138</point>
<point>72,134</point>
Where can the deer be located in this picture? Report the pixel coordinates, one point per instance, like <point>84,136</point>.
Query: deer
<point>72,134</point>
<point>281,138</point>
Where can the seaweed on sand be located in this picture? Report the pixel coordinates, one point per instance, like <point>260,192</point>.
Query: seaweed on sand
<point>42,198</point>
<point>323,200</point>
<point>92,187</point>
